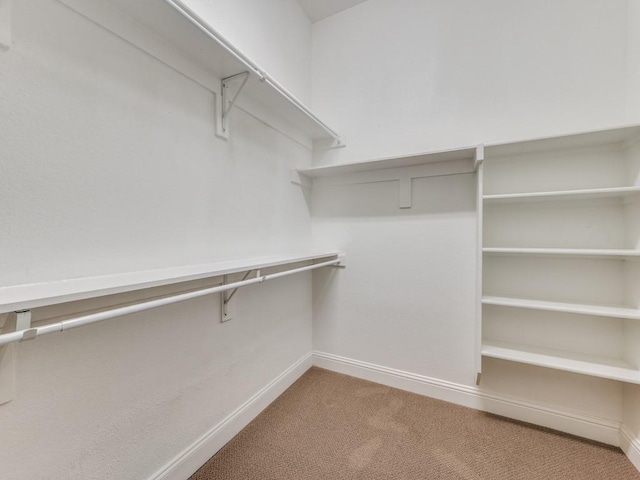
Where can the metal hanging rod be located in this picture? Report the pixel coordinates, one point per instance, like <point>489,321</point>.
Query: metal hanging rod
<point>238,55</point>
<point>31,333</point>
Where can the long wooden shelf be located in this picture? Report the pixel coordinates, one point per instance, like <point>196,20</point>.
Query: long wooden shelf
<point>612,192</point>
<point>593,365</point>
<point>583,309</point>
<point>180,38</point>
<point>21,297</point>
<point>565,252</point>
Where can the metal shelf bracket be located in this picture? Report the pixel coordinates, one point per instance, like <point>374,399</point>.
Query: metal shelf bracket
<point>228,295</point>
<point>15,322</point>
<point>230,88</point>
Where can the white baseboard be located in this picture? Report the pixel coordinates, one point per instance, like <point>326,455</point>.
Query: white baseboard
<point>630,446</point>
<point>196,455</point>
<point>594,428</point>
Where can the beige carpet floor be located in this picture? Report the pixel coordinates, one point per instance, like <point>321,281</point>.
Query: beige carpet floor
<point>331,426</point>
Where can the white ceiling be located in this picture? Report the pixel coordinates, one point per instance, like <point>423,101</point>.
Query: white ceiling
<point>316,10</point>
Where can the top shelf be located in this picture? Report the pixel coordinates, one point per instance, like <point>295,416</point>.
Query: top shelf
<point>22,297</point>
<point>612,136</point>
<point>613,192</point>
<point>184,30</point>
<point>473,154</point>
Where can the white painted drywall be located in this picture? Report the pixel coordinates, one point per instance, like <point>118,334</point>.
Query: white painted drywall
<point>109,163</point>
<point>274,34</point>
<point>401,77</point>
<point>633,80</point>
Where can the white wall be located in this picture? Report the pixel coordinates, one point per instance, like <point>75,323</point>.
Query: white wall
<point>109,163</point>
<point>274,34</point>
<point>412,75</point>
<point>406,76</point>
<point>633,79</point>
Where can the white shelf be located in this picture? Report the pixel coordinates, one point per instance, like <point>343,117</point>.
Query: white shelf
<point>566,252</point>
<point>596,366</point>
<point>183,40</point>
<point>597,310</point>
<point>21,297</point>
<point>611,136</point>
<point>468,153</point>
<point>613,192</point>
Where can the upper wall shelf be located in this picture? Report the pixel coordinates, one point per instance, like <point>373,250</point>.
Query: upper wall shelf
<point>21,297</point>
<point>402,169</point>
<point>472,154</point>
<point>181,30</point>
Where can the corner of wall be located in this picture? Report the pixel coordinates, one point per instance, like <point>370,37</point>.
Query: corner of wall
<point>5,24</point>
<point>630,430</point>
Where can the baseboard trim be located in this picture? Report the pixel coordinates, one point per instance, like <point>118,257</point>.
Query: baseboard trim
<point>630,446</point>
<point>196,455</point>
<point>594,428</point>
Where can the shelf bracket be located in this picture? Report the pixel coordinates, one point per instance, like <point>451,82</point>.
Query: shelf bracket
<point>227,296</point>
<point>16,321</point>
<point>230,88</point>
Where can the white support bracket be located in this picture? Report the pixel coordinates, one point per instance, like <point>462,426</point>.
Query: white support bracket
<point>226,297</point>
<point>16,321</point>
<point>230,88</point>
<point>343,261</point>
<point>5,24</point>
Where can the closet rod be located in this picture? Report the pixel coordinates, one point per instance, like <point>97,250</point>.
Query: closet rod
<point>238,55</point>
<point>31,333</point>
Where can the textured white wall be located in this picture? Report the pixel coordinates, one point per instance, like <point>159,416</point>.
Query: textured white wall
<point>109,163</point>
<point>274,34</point>
<point>407,76</point>
<point>633,79</point>
<point>413,75</point>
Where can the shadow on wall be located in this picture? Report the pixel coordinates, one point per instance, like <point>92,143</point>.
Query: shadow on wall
<point>429,196</point>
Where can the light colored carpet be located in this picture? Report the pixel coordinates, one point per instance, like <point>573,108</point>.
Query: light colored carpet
<point>331,426</point>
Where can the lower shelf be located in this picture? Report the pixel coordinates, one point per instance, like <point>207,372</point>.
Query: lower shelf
<point>593,365</point>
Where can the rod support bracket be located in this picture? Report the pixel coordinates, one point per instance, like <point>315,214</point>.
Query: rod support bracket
<point>342,258</point>
<point>16,321</point>
<point>225,297</point>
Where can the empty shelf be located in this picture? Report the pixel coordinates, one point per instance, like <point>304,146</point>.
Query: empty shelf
<point>593,365</point>
<point>613,192</point>
<point>34,295</point>
<point>469,153</point>
<point>597,310</point>
<point>567,252</point>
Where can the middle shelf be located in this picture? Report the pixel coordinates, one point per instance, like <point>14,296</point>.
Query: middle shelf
<point>610,253</point>
<point>582,309</point>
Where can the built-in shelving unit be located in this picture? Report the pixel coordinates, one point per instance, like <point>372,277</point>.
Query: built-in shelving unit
<point>560,242</point>
<point>189,44</point>
<point>21,297</point>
